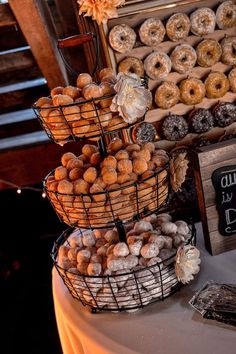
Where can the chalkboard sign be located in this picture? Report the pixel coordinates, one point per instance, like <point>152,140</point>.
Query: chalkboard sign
<point>224,182</point>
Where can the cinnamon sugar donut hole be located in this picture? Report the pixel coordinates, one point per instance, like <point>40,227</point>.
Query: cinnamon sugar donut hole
<point>83,80</point>
<point>122,38</point>
<point>167,95</point>
<point>65,187</point>
<point>61,100</point>
<point>178,27</point>
<point>192,91</point>
<point>110,177</point>
<point>157,65</point>
<point>81,186</point>
<point>216,84</point>
<point>89,149</point>
<point>71,113</point>
<point>105,72</point>
<point>60,173</point>
<point>131,65</point>
<point>115,145</point>
<point>42,101</point>
<point>56,91</point>
<point>92,91</point>
<point>90,175</point>
<point>152,32</point>
<point>81,127</point>
<point>66,157</point>
<point>109,161</point>
<point>203,21</point>
<point>139,166</point>
<point>71,91</point>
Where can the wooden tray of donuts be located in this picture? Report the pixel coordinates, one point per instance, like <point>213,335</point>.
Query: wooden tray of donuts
<point>134,14</point>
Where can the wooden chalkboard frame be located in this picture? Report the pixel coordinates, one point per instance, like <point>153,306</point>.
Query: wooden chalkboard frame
<point>209,162</point>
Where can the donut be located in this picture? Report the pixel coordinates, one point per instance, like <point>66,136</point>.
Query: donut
<point>183,58</point>
<point>232,80</point>
<point>224,113</point>
<point>201,120</point>
<point>228,45</point>
<point>202,141</point>
<point>178,27</point>
<point>216,84</point>
<point>122,38</point>
<point>192,91</point>
<point>152,32</point>
<point>157,65</point>
<point>226,15</point>
<point>143,133</point>
<point>167,95</point>
<point>174,127</point>
<point>131,65</point>
<point>203,21</point>
<point>208,52</point>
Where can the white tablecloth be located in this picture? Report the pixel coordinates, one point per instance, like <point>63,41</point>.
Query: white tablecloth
<point>169,327</point>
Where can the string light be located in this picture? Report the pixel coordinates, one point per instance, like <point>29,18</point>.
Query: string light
<point>19,189</point>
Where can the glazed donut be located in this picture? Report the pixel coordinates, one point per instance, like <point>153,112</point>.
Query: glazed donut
<point>167,95</point>
<point>226,15</point>
<point>203,21</point>
<point>178,27</point>
<point>131,65</point>
<point>152,32</point>
<point>228,45</point>
<point>201,120</point>
<point>122,38</point>
<point>183,58</point>
<point>216,85</point>
<point>208,52</point>
<point>224,113</point>
<point>192,91</point>
<point>174,127</point>
<point>232,80</point>
<point>157,65</point>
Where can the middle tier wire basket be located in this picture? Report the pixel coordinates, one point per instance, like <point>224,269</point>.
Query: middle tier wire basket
<point>122,290</point>
<point>103,209</point>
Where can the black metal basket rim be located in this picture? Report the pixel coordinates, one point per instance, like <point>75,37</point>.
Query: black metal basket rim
<point>65,235</point>
<point>74,103</point>
<point>134,184</point>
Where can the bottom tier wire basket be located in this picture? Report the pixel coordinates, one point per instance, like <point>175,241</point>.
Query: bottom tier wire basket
<point>117,290</point>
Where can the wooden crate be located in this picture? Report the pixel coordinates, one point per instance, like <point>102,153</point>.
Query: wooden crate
<point>133,14</point>
<point>215,207</point>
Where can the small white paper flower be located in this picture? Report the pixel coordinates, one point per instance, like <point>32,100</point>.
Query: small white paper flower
<point>187,263</point>
<point>131,99</point>
<point>178,170</point>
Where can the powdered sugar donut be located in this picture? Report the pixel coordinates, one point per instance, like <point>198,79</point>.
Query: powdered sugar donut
<point>122,38</point>
<point>157,65</point>
<point>152,32</point>
<point>203,21</point>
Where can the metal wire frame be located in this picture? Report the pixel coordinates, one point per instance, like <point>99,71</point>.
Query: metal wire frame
<point>89,119</point>
<point>124,291</point>
<point>103,209</point>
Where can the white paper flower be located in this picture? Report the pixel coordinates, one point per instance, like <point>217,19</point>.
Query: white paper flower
<point>132,99</point>
<point>187,263</point>
<point>100,10</point>
<point>178,170</point>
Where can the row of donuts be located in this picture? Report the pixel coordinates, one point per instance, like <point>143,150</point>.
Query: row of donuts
<point>199,120</point>
<point>201,22</point>
<point>191,91</point>
<point>157,65</point>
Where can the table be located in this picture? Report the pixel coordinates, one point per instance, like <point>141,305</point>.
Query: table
<point>169,327</point>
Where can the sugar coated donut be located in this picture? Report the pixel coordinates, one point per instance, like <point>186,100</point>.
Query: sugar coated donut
<point>232,79</point>
<point>228,45</point>
<point>216,84</point>
<point>183,58</point>
<point>131,65</point>
<point>208,52</point>
<point>178,27</point>
<point>122,38</point>
<point>157,65</point>
<point>224,113</point>
<point>201,120</point>
<point>203,21</point>
<point>152,32</point>
<point>192,91</point>
<point>174,127</point>
<point>167,95</point>
<point>226,15</point>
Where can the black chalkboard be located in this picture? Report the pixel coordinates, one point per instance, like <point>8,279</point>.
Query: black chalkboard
<point>224,182</point>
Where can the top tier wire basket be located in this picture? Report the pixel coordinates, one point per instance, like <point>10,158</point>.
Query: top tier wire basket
<point>75,116</point>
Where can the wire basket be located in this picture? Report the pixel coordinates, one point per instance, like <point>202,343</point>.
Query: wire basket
<point>124,291</point>
<point>90,119</point>
<point>103,209</point>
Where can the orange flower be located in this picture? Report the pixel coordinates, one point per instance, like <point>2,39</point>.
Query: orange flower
<point>100,10</point>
